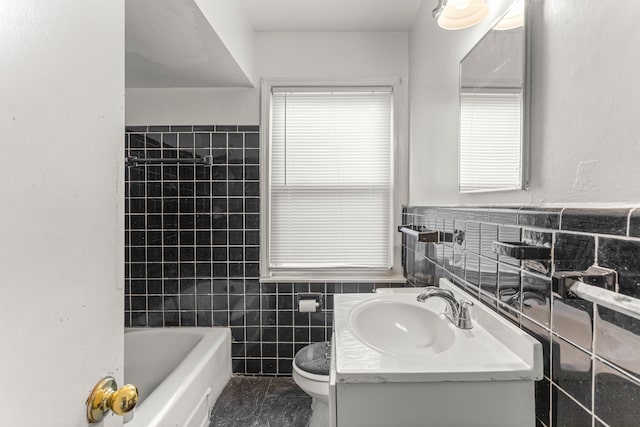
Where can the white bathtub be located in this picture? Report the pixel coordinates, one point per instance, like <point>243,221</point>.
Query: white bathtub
<point>179,372</point>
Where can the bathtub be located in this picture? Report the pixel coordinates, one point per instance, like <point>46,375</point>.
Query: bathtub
<point>179,372</point>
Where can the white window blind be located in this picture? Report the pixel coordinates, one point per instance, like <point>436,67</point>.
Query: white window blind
<point>330,178</point>
<point>490,141</point>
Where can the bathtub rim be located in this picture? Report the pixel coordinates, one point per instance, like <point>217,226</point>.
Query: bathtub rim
<point>215,341</point>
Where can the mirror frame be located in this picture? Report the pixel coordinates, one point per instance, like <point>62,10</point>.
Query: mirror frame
<point>525,136</point>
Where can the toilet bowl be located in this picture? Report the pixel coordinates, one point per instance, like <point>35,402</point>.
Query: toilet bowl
<point>311,374</point>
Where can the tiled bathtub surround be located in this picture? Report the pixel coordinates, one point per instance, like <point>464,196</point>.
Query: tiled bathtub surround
<point>592,354</point>
<point>193,244</point>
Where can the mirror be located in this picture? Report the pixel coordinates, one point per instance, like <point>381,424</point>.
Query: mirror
<point>493,132</point>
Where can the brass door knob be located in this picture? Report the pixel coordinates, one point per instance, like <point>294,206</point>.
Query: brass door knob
<point>107,396</point>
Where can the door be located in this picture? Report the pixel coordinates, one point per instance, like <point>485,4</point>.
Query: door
<point>61,207</point>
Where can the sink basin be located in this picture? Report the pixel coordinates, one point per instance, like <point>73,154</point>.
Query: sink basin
<point>399,362</point>
<point>401,328</point>
<point>392,337</point>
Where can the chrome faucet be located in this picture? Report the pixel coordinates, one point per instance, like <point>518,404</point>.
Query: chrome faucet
<point>457,312</point>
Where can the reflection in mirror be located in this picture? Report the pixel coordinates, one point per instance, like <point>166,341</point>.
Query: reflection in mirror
<point>493,131</point>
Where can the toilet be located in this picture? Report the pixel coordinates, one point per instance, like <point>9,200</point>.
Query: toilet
<point>311,374</point>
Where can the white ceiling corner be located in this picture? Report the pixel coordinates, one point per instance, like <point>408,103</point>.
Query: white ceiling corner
<point>171,43</point>
<point>331,15</point>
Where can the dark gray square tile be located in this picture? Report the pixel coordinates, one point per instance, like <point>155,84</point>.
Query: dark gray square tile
<point>447,257</point>
<point>488,281</point>
<point>439,252</point>
<point>537,238</point>
<point>566,412</point>
<point>509,292</point>
<point>634,223</point>
<point>622,256</point>
<point>573,252</point>
<point>509,234</point>
<point>226,128</point>
<point>204,128</point>
<point>472,267</point>
<point>618,339</point>
<point>459,234</point>
<point>543,335</point>
<point>601,221</point>
<point>536,299</point>
<point>572,320</point>
<point>408,269</point>
<point>540,217</point>
<point>616,397</point>
<point>571,370</point>
<point>458,262</point>
<point>488,235</point>
<point>506,216</point>
<point>181,128</point>
<point>543,400</point>
<point>472,237</point>
<point>598,423</point>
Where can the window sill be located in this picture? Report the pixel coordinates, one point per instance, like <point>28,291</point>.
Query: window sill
<point>334,279</point>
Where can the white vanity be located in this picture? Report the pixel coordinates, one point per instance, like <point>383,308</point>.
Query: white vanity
<point>400,362</point>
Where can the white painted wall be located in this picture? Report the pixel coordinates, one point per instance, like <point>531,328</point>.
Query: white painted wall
<point>278,55</point>
<point>332,55</point>
<point>230,22</point>
<point>61,215</point>
<point>586,96</point>
<point>193,106</point>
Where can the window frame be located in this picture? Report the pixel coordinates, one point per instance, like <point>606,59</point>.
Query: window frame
<point>400,177</point>
<point>474,92</point>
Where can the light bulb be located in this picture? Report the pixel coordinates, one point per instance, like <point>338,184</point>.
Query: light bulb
<point>460,14</point>
<point>514,18</point>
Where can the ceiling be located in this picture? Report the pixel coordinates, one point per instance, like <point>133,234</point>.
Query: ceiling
<point>171,43</point>
<point>331,15</point>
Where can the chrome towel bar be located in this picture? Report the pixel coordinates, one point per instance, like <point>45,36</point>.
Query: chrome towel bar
<point>521,250</point>
<point>612,300</point>
<point>420,233</point>
<point>601,291</point>
<point>135,161</point>
<point>431,236</point>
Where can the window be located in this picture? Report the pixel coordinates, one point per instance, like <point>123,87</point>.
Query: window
<point>490,135</point>
<point>330,173</point>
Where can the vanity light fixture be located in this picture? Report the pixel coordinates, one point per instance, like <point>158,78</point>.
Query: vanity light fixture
<point>460,14</point>
<point>513,19</point>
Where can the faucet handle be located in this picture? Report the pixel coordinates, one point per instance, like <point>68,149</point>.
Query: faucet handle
<point>464,316</point>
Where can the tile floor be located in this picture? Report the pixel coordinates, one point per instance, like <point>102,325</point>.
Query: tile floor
<point>261,402</point>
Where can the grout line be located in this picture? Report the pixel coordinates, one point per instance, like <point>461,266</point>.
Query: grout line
<point>598,419</point>
<point>594,315</point>
<point>620,371</point>
<point>549,230</point>
<point>563,391</point>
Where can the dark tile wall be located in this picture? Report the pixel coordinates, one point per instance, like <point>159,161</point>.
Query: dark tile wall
<point>193,245</point>
<point>591,353</point>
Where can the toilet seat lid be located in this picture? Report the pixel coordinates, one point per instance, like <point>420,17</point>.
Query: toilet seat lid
<point>314,358</point>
